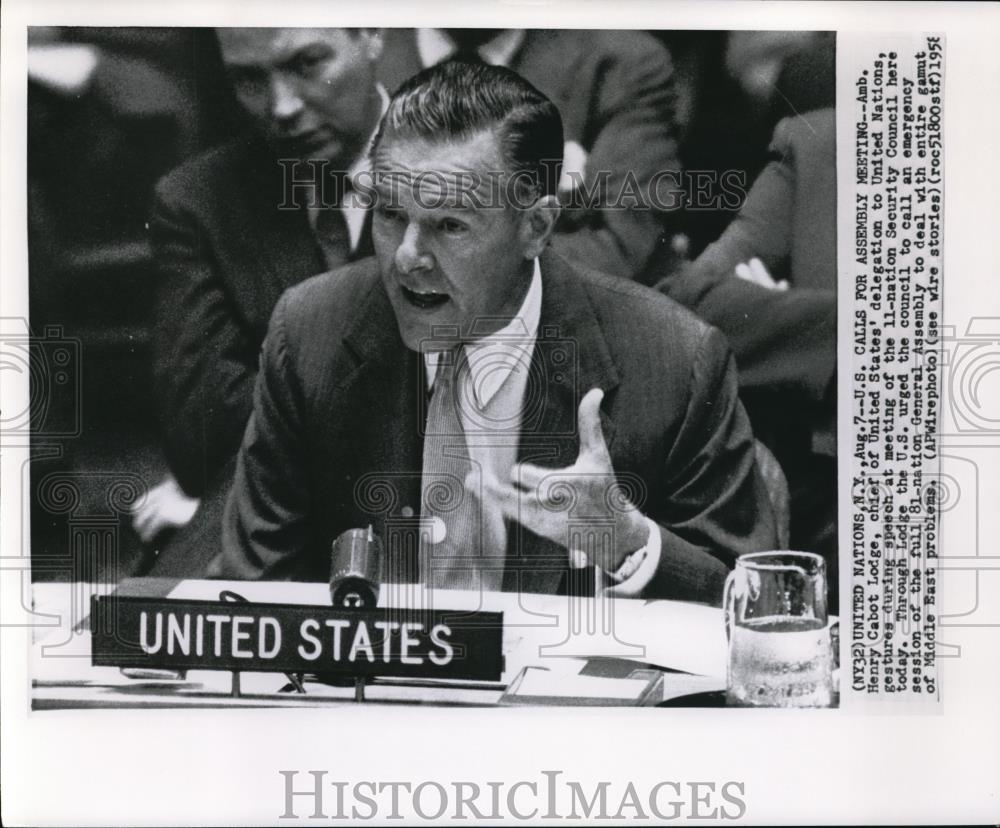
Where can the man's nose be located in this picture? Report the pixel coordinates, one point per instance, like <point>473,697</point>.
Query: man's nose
<point>286,103</point>
<point>412,253</point>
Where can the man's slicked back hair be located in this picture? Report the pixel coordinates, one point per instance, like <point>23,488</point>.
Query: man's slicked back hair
<point>457,99</point>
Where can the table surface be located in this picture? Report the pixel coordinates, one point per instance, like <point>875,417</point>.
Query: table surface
<point>575,640</point>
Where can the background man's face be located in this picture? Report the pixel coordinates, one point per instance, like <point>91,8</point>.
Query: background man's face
<point>310,91</point>
<point>451,263</point>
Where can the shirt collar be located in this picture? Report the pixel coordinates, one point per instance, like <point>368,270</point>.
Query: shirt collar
<point>361,165</point>
<point>504,350</point>
<point>434,45</point>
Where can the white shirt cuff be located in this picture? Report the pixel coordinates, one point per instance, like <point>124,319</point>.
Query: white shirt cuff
<point>638,569</point>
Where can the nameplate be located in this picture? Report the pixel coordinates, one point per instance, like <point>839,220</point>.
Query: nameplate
<point>295,638</point>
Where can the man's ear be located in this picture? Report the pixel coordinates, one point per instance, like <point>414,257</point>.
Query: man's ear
<point>538,225</point>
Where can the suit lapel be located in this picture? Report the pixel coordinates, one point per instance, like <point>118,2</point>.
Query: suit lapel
<point>571,356</point>
<point>365,245</point>
<point>295,254</point>
<point>389,410</point>
<point>281,237</point>
<point>276,237</point>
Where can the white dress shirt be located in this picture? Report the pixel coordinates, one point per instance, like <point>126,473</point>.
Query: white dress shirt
<point>499,368</point>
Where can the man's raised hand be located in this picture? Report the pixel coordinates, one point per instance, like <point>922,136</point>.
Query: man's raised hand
<point>546,500</point>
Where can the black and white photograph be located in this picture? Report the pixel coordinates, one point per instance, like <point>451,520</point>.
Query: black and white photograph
<point>395,408</point>
<point>526,370</point>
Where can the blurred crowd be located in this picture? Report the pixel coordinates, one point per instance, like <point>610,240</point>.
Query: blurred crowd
<point>742,121</point>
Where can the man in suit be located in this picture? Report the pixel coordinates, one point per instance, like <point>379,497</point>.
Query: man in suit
<point>535,414</point>
<point>231,230</point>
<point>783,340</point>
<point>769,283</point>
<point>615,92</point>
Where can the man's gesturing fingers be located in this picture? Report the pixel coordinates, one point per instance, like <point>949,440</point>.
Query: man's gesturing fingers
<point>529,476</point>
<point>523,505</point>
<point>593,448</point>
<point>589,422</point>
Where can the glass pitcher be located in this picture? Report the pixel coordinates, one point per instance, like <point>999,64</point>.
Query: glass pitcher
<point>780,649</point>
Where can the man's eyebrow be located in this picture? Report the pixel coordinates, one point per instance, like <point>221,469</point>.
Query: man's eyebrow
<point>253,64</point>
<point>285,61</point>
<point>465,206</point>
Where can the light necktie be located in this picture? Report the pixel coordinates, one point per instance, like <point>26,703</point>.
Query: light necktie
<point>468,557</point>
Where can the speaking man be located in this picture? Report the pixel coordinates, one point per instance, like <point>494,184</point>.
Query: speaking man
<point>231,230</point>
<point>525,413</point>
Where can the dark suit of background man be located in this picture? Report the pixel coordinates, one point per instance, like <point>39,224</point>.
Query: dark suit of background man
<point>615,92</point>
<point>612,429</point>
<point>785,340</point>
<point>230,234</point>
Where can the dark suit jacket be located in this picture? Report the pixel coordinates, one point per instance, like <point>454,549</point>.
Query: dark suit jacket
<point>782,341</point>
<point>224,253</point>
<point>785,342</point>
<point>615,92</point>
<point>334,441</point>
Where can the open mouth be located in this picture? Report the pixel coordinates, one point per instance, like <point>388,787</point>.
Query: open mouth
<point>424,298</point>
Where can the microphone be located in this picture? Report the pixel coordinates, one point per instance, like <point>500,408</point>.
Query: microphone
<point>356,569</point>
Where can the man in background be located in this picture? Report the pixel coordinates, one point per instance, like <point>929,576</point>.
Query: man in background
<point>231,230</point>
<point>769,282</point>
